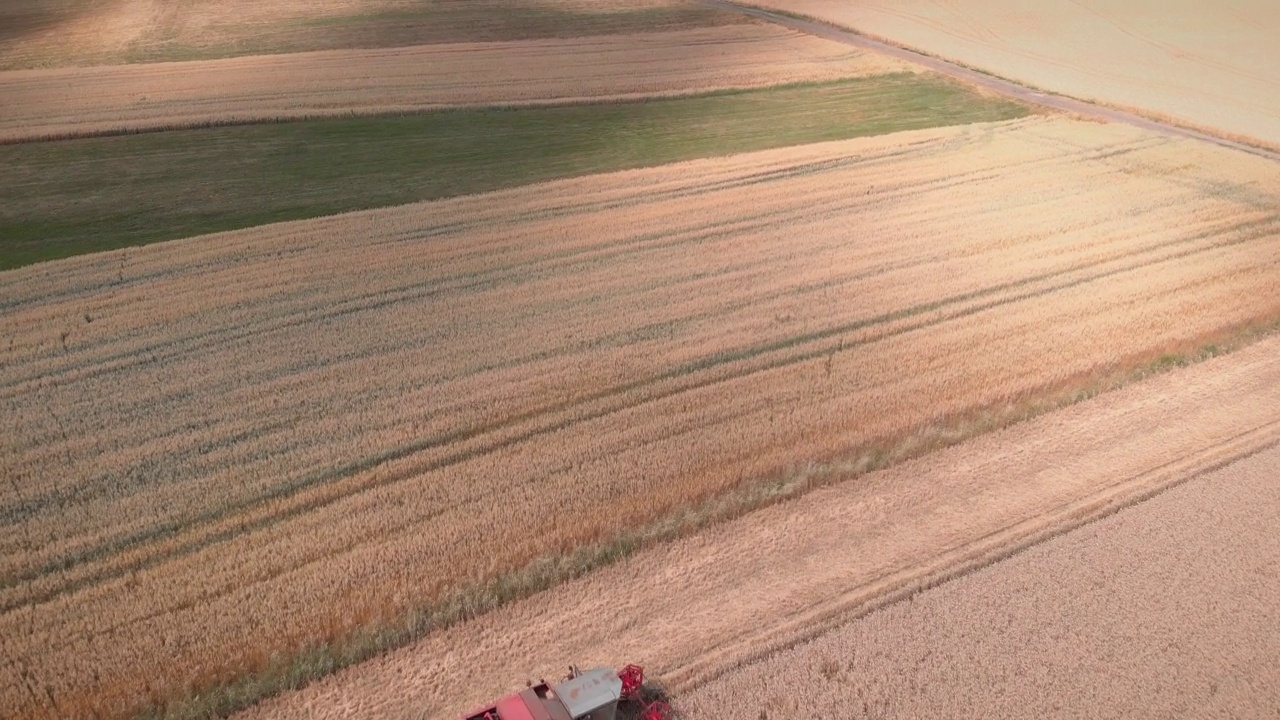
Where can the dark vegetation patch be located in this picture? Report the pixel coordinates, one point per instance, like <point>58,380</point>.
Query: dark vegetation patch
<point>79,196</point>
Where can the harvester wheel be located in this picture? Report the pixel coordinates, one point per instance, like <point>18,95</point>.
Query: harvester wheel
<point>658,711</point>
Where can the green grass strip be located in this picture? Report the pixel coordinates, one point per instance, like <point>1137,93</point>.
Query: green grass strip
<point>71,197</point>
<point>366,25</point>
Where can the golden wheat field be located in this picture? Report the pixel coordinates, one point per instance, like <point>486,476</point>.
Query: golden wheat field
<point>736,593</point>
<point>223,449</point>
<point>1167,609</point>
<point>1211,65</point>
<point>96,100</point>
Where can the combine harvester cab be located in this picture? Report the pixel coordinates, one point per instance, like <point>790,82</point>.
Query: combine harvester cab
<point>592,695</point>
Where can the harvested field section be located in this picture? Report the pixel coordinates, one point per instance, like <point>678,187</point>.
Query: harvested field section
<point>75,102</point>
<point>1167,609</point>
<point>232,447</point>
<point>1210,65</point>
<point>41,34</point>
<point>837,553</point>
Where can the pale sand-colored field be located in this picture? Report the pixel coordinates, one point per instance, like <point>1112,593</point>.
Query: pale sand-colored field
<point>1213,65</point>
<point>229,447</point>
<point>1170,609</point>
<point>694,609</point>
<point>81,101</point>
<point>40,33</point>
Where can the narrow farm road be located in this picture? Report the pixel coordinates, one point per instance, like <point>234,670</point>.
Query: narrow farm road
<point>989,82</point>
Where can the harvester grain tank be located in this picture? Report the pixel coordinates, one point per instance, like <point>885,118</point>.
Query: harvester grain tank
<point>591,695</point>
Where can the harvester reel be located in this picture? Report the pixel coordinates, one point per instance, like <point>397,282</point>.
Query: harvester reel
<point>632,677</point>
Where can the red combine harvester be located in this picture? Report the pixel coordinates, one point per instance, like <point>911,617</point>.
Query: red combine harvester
<point>591,695</point>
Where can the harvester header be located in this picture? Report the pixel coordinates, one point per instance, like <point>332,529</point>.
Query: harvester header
<point>591,695</point>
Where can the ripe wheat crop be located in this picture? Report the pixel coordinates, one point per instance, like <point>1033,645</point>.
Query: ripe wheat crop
<point>221,450</point>
<point>694,610</point>
<point>72,102</point>
<point>1164,607</point>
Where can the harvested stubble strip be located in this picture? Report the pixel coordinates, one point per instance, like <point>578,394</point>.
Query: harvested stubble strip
<point>1209,66</point>
<point>1164,607</point>
<point>235,446</point>
<point>78,102</point>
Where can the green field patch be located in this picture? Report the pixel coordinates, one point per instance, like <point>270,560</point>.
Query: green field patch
<point>71,197</point>
<point>173,35</point>
<point>429,25</point>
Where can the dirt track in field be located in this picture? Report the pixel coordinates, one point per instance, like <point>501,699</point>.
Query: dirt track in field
<point>73,102</point>
<point>694,609</point>
<point>1227,101</point>
<point>204,473</point>
<point>1169,609</point>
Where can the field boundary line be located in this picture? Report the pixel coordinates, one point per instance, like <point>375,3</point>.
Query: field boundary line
<point>994,83</point>
<point>969,558</point>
